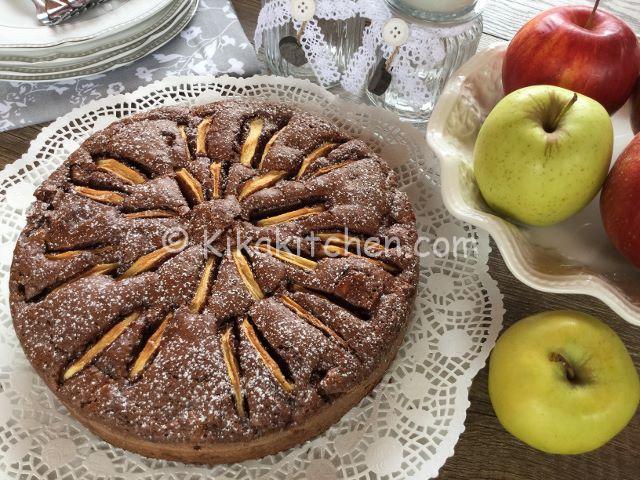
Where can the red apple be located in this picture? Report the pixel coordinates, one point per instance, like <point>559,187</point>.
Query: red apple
<point>620,200</point>
<point>577,48</point>
<point>635,109</point>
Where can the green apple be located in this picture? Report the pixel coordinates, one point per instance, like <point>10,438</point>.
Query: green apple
<point>562,382</point>
<point>542,154</point>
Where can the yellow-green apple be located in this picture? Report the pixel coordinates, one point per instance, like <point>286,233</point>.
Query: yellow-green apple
<point>620,200</point>
<point>582,49</point>
<point>635,109</point>
<point>562,382</point>
<point>542,154</point>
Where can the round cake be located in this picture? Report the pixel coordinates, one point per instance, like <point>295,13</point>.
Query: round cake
<point>215,283</point>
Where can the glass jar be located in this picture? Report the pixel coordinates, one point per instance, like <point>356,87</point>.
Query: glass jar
<point>342,36</point>
<point>457,24</point>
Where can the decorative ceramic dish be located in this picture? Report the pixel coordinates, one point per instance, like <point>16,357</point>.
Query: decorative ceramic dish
<point>574,256</point>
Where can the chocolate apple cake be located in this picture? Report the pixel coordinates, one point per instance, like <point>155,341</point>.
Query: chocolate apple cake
<point>215,283</point>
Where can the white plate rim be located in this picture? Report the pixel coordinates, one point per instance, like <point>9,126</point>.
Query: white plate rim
<point>138,11</point>
<point>161,21</point>
<point>104,65</point>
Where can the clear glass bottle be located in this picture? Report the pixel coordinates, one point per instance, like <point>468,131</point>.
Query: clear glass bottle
<point>459,47</point>
<point>343,37</point>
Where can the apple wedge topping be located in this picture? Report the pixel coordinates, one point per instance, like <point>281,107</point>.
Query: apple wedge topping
<point>216,175</point>
<point>203,128</point>
<point>149,348</point>
<point>288,257</point>
<point>102,196</point>
<point>268,146</point>
<point>330,168</point>
<point>260,182</point>
<point>190,185</point>
<point>72,253</point>
<point>335,250</point>
<point>183,134</point>
<point>151,214</point>
<point>232,368</point>
<point>153,259</point>
<point>100,345</point>
<point>154,341</point>
<point>335,298</point>
<point>289,216</point>
<point>63,255</point>
<point>321,151</point>
<point>342,240</point>
<point>246,274</point>
<point>269,362</point>
<point>203,287</point>
<point>251,143</point>
<point>120,170</point>
<point>312,319</point>
<point>99,269</point>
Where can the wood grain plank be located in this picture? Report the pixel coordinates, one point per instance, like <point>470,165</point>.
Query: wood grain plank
<point>16,142</point>
<point>487,40</point>
<point>503,18</point>
<point>247,11</point>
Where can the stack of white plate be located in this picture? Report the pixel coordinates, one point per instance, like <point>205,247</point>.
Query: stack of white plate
<point>108,36</point>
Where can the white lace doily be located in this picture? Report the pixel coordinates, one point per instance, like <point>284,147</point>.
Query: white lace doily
<point>406,428</point>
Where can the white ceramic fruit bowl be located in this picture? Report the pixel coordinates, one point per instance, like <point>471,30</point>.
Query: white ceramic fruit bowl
<point>574,256</point>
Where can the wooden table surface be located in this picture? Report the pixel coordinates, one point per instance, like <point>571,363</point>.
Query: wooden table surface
<point>485,450</point>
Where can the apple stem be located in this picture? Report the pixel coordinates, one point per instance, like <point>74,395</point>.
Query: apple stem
<point>592,16</point>
<point>556,121</point>
<point>568,368</point>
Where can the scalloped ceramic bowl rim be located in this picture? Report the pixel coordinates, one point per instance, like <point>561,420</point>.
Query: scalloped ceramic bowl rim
<point>506,234</point>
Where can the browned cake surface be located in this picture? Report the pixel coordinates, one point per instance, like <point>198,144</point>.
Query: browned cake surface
<point>180,346</point>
